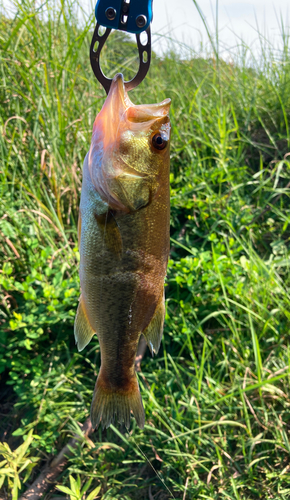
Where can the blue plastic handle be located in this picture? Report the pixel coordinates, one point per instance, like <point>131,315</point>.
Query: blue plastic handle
<point>133,17</point>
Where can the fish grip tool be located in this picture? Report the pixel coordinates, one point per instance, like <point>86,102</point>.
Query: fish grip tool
<point>132,16</point>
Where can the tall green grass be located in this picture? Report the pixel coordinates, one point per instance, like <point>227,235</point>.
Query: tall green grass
<point>217,394</point>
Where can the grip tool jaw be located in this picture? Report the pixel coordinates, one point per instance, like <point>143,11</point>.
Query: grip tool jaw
<point>132,16</point>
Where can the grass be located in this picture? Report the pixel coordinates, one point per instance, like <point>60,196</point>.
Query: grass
<point>217,394</point>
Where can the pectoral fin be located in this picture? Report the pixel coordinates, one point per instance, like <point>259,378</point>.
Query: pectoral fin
<point>153,332</point>
<point>111,233</point>
<point>82,329</point>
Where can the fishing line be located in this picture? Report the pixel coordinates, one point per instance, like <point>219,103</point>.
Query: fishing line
<point>152,466</point>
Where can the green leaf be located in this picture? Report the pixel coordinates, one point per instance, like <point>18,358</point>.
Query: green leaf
<point>16,486</point>
<point>21,450</point>
<point>26,463</point>
<point>18,432</point>
<point>74,486</point>
<point>86,487</point>
<point>93,493</point>
<point>8,471</point>
<point>66,490</point>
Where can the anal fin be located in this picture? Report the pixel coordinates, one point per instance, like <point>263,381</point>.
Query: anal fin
<point>153,332</point>
<point>82,328</point>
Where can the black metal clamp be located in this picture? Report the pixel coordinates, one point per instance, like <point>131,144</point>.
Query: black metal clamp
<point>100,39</point>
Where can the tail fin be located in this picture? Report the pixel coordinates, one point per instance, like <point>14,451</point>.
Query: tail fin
<point>109,403</point>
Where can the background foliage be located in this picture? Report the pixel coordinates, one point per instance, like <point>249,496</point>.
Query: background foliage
<point>217,394</point>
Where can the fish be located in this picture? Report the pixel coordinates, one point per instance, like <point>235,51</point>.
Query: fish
<point>123,233</point>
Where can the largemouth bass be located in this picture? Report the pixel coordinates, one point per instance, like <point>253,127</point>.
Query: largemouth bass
<point>124,246</point>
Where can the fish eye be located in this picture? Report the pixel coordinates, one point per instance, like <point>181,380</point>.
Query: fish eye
<point>159,140</point>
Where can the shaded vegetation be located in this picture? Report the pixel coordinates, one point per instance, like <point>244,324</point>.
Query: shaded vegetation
<point>217,394</point>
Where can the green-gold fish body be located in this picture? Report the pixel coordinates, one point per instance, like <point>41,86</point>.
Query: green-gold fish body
<point>124,246</point>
